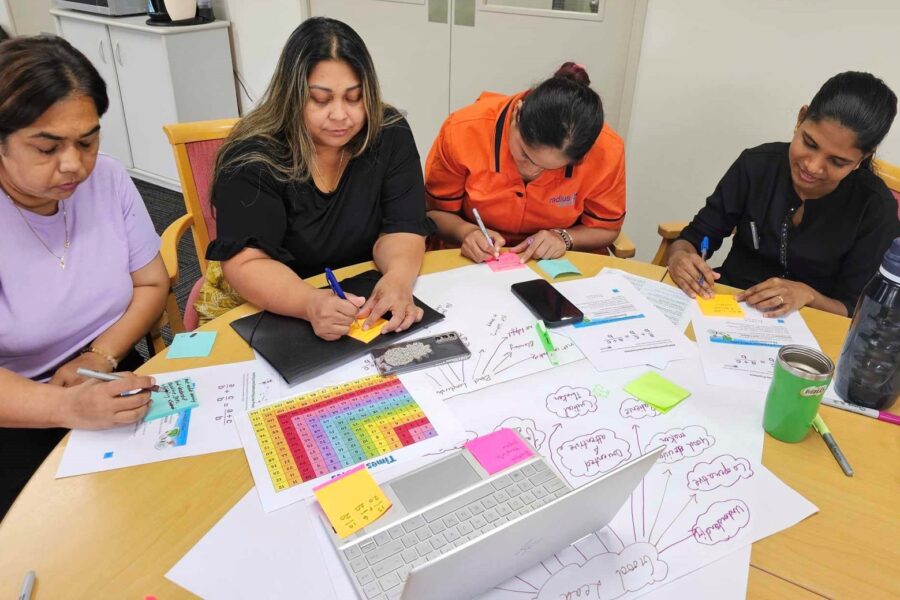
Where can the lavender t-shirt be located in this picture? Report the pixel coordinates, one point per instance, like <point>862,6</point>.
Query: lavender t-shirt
<point>48,313</point>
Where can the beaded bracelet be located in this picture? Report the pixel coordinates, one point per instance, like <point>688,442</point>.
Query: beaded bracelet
<point>109,357</point>
<point>566,238</point>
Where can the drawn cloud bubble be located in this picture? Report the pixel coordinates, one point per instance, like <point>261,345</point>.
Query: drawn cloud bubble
<point>594,453</point>
<point>723,471</point>
<point>526,428</point>
<point>568,402</point>
<point>721,522</point>
<point>632,408</point>
<point>681,443</point>
<point>607,576</point>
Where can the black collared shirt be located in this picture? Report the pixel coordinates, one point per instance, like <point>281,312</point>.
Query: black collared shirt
<point>836,248</point>
<point>380,192</point>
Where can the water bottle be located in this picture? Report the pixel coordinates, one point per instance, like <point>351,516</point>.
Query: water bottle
<point>868,370</point>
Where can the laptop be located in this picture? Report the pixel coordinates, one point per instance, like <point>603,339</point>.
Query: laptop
<point>454,531</point>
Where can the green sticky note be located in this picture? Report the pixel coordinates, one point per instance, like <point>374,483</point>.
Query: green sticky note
<point>657,391</point>
<point>196,344</point>
<point>558,266</point>
<point>173,397</point>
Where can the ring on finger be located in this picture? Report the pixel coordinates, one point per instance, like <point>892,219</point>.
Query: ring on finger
<point>780,300</point>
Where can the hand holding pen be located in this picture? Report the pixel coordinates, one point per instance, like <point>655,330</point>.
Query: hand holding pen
<point>332,312</point>
<point>689,269</point>
<point>97,404</point>
<point>481,244</point>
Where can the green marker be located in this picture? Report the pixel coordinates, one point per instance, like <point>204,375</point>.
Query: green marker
<point>820,426</point>
<point>544,335</point>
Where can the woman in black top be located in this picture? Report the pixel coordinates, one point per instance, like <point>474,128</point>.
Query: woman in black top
<point>321,174</point>
<point>811,220</point>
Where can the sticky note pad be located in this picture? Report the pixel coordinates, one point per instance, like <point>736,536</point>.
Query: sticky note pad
<point>499,450</point>
<point>558,266</point>
<point>192,345</point>
<point>366,336</point>
<point>720,305</point>
<point>657,391</point>
<point>173,397</point>
<point>507,262</point>
<point>352,501</point>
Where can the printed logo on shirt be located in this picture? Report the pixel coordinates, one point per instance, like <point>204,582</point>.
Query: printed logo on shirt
<point>563,201</point>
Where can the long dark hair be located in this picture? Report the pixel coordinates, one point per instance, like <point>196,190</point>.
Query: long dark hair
<point>859,101</point>
<point>563,112</point>
<point>276,127</point>
<point>38,72</point>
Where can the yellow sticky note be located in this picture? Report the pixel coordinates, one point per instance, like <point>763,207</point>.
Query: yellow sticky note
<point>366,336</point>
<point>352,501</point>
<point>720,305</point>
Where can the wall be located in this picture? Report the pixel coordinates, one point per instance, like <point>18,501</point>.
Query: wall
<point>717,76</point>
<point>31,17</point>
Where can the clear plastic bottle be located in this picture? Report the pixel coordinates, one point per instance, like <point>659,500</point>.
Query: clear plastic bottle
<point>868,370</point>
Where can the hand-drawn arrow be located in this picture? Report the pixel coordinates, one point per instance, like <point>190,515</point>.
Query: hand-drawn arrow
<point>692,498</point>
<point>668,473</point>
<point>678,542</point>
<point>475,370</point>
<point>506,357</point>
<point>550,446</point>
<point>497,349</point>
<point>637,428</point>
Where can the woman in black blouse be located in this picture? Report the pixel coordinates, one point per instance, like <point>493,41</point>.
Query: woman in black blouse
<point>811,219</point>
<point>321,174</point>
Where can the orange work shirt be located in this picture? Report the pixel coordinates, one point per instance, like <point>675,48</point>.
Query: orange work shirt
<point>470,166</point>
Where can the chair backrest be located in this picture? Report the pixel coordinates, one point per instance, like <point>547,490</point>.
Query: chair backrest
<point>891,176</point>
<point>195,146</point>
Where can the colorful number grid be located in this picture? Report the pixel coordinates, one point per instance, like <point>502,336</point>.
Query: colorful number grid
<point>325,431</point>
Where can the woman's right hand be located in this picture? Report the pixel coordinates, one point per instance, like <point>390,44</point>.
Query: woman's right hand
<point>692,274</point>
<point>475,247</point>
<point>332,317</point>
<point>98,405</point>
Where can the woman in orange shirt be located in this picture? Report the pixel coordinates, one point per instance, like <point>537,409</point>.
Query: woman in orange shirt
<point>541,168</point>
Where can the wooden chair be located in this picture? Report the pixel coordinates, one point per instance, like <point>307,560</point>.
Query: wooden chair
<point>670,230</point>
<point>195,146</point>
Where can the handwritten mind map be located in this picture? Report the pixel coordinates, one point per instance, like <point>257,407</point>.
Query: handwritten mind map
<point>496,327</point>
<point>298,443</point>
<point>741,353</point>
<point>223,392</point>
<point>621,327</point>
<point>705,497</point>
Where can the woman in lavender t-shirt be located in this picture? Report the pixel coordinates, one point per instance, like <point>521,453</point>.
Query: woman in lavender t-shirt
<point>81,279</point>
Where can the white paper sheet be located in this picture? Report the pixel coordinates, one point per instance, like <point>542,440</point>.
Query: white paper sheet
<point>497,328</point>
<point>741,353</point>
<point>668,299</point>
<point>324,429</point>
<point>706,497</point>
<point>624,329</point>
<point>223,391</point>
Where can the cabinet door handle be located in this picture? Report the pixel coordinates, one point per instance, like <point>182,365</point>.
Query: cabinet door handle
<point>102,53</point>
<point>119,54</point>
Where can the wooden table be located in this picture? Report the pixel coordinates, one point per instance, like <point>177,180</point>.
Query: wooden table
<point>115,534</point>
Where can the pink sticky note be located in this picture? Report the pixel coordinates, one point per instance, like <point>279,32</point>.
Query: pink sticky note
<point>507,262</point>
<point>499,450</point>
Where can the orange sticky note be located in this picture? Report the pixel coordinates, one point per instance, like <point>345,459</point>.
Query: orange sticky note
<point>357,332</point>
<point>352,501</point>
<point>720,305</point>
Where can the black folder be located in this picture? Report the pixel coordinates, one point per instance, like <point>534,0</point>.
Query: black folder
<point>297,353</point>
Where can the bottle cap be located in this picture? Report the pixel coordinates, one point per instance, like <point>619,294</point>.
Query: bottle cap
<point>891,260</point>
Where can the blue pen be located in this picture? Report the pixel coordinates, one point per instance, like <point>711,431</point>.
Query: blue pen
<point>704,248</point>
<point>334,285</point>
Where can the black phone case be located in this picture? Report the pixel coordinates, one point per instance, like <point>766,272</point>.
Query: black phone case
<point>521,291</point>
<point>421,353</point>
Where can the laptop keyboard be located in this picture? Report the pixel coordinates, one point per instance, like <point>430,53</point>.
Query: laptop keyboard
<point>378,565</point>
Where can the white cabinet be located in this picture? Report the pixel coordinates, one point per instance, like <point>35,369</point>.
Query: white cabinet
<point>154,76</point>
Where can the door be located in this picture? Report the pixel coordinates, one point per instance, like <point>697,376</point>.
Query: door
<point>147,97</point>
<point>410,44</point>
<point>92,39</point>
<point>510,45</point>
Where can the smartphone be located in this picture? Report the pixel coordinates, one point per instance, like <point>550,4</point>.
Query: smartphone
<point>547,303</point>
<point>417,354</point>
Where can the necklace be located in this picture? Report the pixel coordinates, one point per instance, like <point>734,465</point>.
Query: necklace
<point>60,258</point>
<point>337,178</point>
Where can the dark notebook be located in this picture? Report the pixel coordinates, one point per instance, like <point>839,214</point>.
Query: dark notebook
<point>298,354</point>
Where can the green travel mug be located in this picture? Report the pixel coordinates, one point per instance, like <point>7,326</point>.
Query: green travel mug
<point>801,377</point>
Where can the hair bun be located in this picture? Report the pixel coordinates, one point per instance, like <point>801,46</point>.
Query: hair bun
<point>574,72</point>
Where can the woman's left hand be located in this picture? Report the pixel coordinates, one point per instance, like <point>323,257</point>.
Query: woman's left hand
<point>66,375</point>
<point>543,244</point>
<point>777,297</point>
<point>394,295</point>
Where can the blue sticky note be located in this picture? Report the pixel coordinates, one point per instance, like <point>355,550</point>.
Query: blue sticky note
<point>558,266</point>
<point>173,397</point>
<point>107,455</point>
<point>192,345</point>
